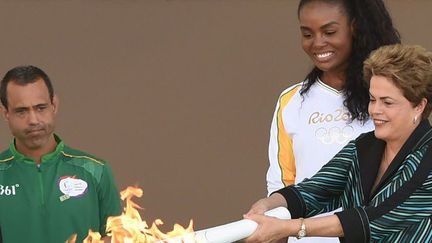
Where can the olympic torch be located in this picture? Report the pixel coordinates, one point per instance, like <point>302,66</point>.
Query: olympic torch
<point>230,232</point>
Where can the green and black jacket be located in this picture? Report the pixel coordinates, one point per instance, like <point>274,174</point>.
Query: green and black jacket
<point>399,210</point>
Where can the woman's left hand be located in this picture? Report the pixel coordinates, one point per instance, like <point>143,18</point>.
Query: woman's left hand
<point>270,229</point>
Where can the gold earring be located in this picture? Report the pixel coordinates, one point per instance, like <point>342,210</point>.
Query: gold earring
<point>415,120</point>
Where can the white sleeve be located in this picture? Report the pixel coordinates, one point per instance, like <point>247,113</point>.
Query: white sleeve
<point>274,175</point>
<point>281,170</point>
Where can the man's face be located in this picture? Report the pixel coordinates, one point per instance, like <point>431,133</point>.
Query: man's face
<point>30,114</point>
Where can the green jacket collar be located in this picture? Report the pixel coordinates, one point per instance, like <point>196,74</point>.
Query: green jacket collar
<point>45,158</point>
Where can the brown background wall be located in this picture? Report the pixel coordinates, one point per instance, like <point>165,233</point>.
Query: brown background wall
<point>177,95</point>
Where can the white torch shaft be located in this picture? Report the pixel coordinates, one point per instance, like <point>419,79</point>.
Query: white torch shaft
<point>230,232</point>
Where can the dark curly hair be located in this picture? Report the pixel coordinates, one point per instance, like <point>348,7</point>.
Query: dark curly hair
<point>373,28</point>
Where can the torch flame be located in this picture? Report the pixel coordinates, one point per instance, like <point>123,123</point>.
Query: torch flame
<point>129,227</point>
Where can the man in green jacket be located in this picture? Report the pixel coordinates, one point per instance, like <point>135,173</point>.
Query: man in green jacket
<point>48,191</point>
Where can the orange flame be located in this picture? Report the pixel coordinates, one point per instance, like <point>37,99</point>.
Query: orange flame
<point>129,227</point>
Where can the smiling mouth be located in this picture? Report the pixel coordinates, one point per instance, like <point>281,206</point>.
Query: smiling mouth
<point>323,56</point>
<point>379,122</point>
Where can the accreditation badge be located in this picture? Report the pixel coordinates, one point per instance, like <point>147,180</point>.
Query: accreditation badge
<point>71,186</point>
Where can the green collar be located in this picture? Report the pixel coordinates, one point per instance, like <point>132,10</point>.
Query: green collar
<point>45,158</point>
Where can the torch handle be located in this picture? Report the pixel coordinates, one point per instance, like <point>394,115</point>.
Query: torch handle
<point>237,230</point>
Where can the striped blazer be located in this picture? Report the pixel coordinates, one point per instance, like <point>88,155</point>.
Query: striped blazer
<point>398,210</point>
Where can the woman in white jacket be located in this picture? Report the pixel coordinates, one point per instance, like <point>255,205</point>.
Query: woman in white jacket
<point>315,118</point>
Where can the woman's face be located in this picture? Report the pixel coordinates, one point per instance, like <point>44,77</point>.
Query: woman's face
<point>391,112</point>
<point>326,35</point>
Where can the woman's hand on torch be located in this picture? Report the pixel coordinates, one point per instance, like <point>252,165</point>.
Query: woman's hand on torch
<point>265,204</point>
<point>259,207</point>
<point>270,229</point>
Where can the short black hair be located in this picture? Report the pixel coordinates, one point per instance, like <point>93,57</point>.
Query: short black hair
<point>23,75</point>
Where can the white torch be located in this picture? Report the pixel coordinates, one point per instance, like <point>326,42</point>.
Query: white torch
<point>230,232</point>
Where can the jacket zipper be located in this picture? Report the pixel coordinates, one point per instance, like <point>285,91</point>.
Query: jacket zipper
<point>41,185</point>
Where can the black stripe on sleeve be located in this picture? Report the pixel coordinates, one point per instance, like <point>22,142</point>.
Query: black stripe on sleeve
<point>355,225</point>
<point>296,205</point>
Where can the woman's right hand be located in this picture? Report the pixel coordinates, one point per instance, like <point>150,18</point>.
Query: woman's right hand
<point>259,207</point>
<point>265,204</point>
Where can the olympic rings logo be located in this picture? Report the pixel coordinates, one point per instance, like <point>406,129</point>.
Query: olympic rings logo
<point>335,134</point>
